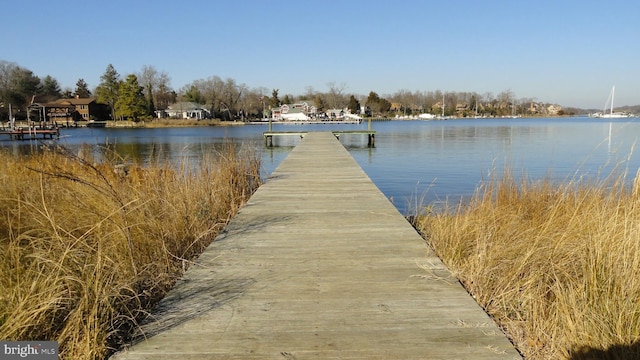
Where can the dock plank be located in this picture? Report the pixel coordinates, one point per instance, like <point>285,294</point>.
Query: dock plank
<point>319,265</point>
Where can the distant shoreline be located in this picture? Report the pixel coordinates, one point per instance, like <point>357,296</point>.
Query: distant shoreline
<point>177,123</point>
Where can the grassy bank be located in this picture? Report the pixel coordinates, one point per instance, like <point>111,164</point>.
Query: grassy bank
<point>555,264</point>
<point>171,123</point>
<point>86,249</point>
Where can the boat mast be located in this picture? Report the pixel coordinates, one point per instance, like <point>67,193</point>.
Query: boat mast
<point>476,108</point>
<point>12,121</point>
<point>613,91</point>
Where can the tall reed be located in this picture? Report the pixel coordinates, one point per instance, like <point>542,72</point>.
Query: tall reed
<point>86,249</point>
<point>556,265</point>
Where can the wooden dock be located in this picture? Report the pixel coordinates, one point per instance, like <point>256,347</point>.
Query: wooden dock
<point>370,134</point>
<point>29,134</point>
<point>319,265</point>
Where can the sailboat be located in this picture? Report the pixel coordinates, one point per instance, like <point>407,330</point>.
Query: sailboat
<point>611,114</point>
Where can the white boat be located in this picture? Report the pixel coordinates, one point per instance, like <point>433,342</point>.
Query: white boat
<point>615,115</point>
<point>611,114</point>
<point>96,124</point>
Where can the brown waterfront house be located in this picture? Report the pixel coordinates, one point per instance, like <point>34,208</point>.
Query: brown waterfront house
<point>76,109</point>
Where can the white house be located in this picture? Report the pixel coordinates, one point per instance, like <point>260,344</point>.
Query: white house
<point>184,110</point>
<point>295,112</point>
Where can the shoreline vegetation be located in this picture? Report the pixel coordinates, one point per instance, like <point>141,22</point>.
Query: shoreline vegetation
<point>555,265</point>
<point>86,249</point>
<point>165,123</point>
<point>177,123</point>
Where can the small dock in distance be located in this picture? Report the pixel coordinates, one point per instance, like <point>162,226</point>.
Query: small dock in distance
<point>319,265</point>
<point>31,133</point>
<point>270,134</point>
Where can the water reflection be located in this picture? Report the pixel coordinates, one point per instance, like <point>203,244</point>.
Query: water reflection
<point>429,160</point>
<point>441,161</point>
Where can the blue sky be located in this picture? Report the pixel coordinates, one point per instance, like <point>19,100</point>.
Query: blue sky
<point>565,52</point>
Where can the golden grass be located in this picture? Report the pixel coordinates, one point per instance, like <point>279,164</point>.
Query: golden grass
<point>556,265</point>
<point>86,250</point>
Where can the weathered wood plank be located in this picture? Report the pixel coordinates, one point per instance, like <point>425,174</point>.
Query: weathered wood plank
<point>319,265</point>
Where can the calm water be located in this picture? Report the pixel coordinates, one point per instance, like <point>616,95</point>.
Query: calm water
<point>429,161</point>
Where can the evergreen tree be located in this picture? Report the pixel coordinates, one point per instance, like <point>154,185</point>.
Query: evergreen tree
<point>377,104</point>
<point>131,103</point>
<point>193,94</point>
<point>50,88</point>
<point>151,106</point>
<point>373,98</point>
<point>82,89</point>
<point>354,105</point>
<point>107,91</point>
<point>274,101</point>
<point>373,102</point>
<point>384,105</point>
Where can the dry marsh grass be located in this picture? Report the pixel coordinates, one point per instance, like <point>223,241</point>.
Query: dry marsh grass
<point>556,265</point>
<point>86,250</point>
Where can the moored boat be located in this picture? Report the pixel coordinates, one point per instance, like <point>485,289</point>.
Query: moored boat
<point>96,124</point>
<point>611,114</point>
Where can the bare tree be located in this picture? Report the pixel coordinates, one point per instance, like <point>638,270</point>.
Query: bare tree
<point>211,90</point>
<point>310,94</point>
<point>18,86</point>
<point>230,98</point>
<point>164,94</point>
<point>253,102</point>
<point>505,98</point>
<point>155,86</point>
<point>147,78</point>
<point>408,101</point>
<point>335,99</point>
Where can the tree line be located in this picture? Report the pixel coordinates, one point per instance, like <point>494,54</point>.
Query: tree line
<point>138,95</point>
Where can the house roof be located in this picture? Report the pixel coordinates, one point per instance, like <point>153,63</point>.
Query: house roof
<point>82,101</point>
<point>295,110</point>
<point>70,102</point>
<point>186,106</point>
